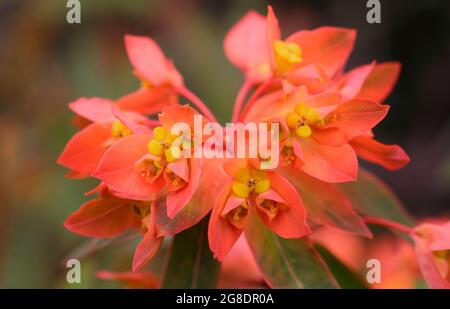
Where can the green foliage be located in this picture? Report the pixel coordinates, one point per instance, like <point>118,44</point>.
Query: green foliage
<point>286,263</point>
<point>191,263</point>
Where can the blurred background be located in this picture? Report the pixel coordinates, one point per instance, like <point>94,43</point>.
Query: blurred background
<point>46,63</point>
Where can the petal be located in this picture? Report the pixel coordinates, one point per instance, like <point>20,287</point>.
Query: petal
<point>437,235</point>
<point>380,81</point>
<point>391,157</point>
<point>428,265</point>
<point>232,166</point>
<point>178,199</point>
<point>351,83</point>
<point>147,101</point>
<point>222,235</point>
<point>173,114</point>
<point>146,250</point>
<point>324,103</point>
<point>232,203</point>
<point>149,61</point>
<point>117,169</point>
<point>325,204</point>
<point>329,163</point>
<point>275,105</point>
<point>93,109</point>
<point>144,280</point>
<point>329,136</point>
<point>357,116</point>
<point>212,181</point>
<point>103,218</point>
<point>180,168</point>
<point>272,34</point>
<point>272,195</point>
<point>84,151</point>
<point>327,47</point>
<point>289,223</point>
<point>133,121</point>
<point>246,45</point>
<point>312,76</point>
<point>97,189</point>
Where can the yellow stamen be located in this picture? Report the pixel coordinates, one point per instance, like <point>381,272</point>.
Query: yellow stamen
<point>170,139</point>
<point>262,186</point>
<point>312,115</point>
<point>242,175</point>
<point>258,175</point>
<point>172,154</point>
<point>302,119</point>
<point>118,129</point>
<point>240,189</point>
<point>246,181</point>
<point>301,109</point>
<point>146,84</point>
<point>292,120</point>
<point>287,55</point>
<point>155,147</point>
<point>159,133</point>
<point>303,131</point>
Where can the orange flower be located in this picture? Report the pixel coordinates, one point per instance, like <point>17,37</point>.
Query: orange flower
<point>432,243</point>
<point>107,122</point>
<point>251,190</point>
<point>141,165</point>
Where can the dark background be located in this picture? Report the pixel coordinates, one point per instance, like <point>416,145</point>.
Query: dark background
<point>46,63</point>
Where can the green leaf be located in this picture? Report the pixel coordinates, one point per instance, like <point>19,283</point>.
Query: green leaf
<point>286,263</point>
<point>370,196</point>
<point>191,263</point>
<point>347,278</point>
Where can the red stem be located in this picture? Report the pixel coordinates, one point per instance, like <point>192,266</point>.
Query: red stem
<point>390,224</point>
<point>248,84</point>
<point>255,95</point>
<point>183,91</point>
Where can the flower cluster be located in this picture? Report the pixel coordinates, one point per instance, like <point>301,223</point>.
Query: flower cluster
<point>325,116</point>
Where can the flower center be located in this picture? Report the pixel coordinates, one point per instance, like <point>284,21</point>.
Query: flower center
<point>250,180</point>
<point>161,145</point>
<point>301,119</point>
<point>442,259</point>
<point>237,215</point>
<point>119,130</point>
<point>287,55</point>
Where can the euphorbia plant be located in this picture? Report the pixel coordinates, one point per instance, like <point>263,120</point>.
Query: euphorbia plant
<point>153,180</point>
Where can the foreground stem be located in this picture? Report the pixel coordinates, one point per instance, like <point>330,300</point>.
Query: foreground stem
<point>389,224</point>
<point>189,95</point>
<point>248,84</point>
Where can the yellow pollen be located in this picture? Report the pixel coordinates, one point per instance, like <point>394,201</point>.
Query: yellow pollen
<point>312,115</point>
<point>287,55</point>
<point>146,84</point>
<point>118,129</point>
<point>170,139</point>
<point>240,189</point>
<point>272,208</point>
<point>301,109</point>
<point>159,133</point>
<point>301,120</point>
<point>246,181</point>
<point>303,131</point>
<point>155,147</point>
<point>292,120</point>
<point>262,186</point>
<point>172,154</point>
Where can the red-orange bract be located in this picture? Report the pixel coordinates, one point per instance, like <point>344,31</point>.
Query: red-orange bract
<point>326,118</point>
